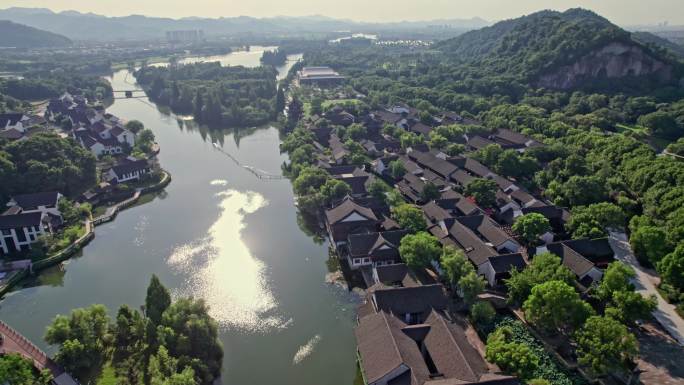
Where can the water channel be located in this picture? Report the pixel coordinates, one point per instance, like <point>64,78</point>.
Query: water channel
<point>218,233</point>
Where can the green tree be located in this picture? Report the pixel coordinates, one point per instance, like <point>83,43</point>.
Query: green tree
<point>134,126</point>
<point>310,180</point>
<point>662,124</point>
<point>544,267</point>
<point>482,313</point>
<point>158,299</point>
<point>512,357</point>
<point>163,370</point>
<point>16,370</point>
<point>334,189</point>
<point>378,189</point>
<point>409,217</point>
<point>419,250</point>
<point>629,306</point>
<point>471,285</point>
<point>454,149</point>
<point>531,226</point>
<point>605,345</point>
<point>555,306</point>
<point>191,335</point>
<point>83,338</point>
<point>408,139</point>
<point>671,267</point>
<point>483,190</point>
<point>438,141</point>
<point>356,132</point>
<point>396,169</point>
<point>593,220</point>
<point>316,106</point>
<point>430,192</point>
<point>455,264</point>
<point>129,344</point>
<point>649,242</point>
<point>616,278</point>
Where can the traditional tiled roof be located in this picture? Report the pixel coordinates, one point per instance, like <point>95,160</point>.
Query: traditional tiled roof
<point>504,263</point>
<point>130,167</point>
<point>376,245</point>
<point>474,247</point>
<point>32,201</point>
<point>346,208</point>
<point>477,142</point>
<point>387,345</point>
<point>485,227</point>
<point>397,274</point>
<point>10,119</point>
<point>410,300</point>
<point>20,220</point>
<point>514,138</point>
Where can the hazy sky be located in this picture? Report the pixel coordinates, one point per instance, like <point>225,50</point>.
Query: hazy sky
<point>624,12</point>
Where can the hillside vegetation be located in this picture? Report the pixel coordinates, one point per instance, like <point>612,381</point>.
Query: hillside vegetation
<point>22,36</point>
<point>559,50</point>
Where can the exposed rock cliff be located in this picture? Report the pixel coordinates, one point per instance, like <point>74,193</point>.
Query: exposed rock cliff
<point>614,60</point>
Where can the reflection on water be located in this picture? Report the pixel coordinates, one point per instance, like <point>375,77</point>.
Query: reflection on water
<point>222,270</point>
<point>306,350</point>
<point>249,58</point>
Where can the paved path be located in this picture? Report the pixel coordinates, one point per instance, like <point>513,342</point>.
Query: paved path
<point>645,282</point>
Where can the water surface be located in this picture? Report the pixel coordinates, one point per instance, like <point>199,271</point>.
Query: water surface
<point>218,233</point>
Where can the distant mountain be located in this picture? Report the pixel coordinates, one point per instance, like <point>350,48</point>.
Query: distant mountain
<point>77,25</point>
<point>22,36</point>
<point>560,50</point>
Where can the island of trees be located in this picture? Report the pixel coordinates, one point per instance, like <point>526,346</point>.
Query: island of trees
<point>214,95</point>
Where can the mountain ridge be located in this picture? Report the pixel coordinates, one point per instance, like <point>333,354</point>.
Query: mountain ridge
<point>17,35</point>
<point>560,50</point>
<point>75,25</point>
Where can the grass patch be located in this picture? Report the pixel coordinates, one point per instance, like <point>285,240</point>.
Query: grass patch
<point>326,105</point>
<point>622,128</point>
<point>99,211</point>
<point>145,198</point>
<point>108,376</point>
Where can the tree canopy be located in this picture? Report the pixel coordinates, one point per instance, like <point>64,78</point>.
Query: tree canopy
<point>531,226</point>
<point>605,345</point>
<point>419,250</point>
<point>555,306</point>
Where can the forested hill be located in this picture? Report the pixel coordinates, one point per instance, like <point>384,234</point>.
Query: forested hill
<point>650,38</point>
<point>22,36</point>
<point>560,50</point>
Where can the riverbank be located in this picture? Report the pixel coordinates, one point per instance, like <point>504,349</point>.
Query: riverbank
<point>218,233</point>
<point>89,224</point>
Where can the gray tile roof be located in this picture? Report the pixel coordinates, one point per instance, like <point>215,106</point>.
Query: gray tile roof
<point>32,201</point>
<point>20,220</point>
<point>346,208</point>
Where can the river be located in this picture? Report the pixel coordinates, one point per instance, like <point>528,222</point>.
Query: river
<point>218,233</point>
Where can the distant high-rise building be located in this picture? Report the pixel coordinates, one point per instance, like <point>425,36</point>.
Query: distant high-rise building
<point>186,36</point>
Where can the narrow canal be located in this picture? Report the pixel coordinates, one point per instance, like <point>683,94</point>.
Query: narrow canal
<point>217,233</point>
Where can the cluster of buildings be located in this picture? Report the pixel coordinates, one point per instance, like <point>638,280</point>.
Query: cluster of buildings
<point>98,131</point>
<point>26,218</point>
<point>404,333</point>
<point>102,134</point>
<point>19,126</point>
<point>319,76</point>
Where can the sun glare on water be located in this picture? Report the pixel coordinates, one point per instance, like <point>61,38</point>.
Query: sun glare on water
<point>222,270</point>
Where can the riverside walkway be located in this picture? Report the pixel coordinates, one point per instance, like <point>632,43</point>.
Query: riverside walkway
<point>13,342</point>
